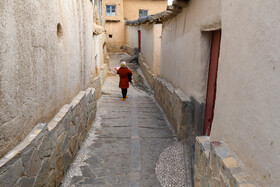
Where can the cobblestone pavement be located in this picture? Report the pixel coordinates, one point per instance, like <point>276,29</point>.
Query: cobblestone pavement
<point>126,139</point>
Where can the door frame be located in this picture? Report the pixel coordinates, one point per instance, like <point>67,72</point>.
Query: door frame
<point>212,81</point>
<point>139,41</point>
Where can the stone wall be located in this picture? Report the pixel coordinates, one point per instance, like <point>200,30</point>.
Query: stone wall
<point>216,165</point>
<point>176,105</point>
<point>150,43</point>
<point>181,111</point>
<point>44,156</point>
<point>116,48</point>
<point>121,49</point>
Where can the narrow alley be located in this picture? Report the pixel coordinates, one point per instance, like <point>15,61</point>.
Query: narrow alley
<point>126,140</point>
<point>202,109</point>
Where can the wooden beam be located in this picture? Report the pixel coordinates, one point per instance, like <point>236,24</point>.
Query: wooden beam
<point>180,3</point>
<point>170,8</point>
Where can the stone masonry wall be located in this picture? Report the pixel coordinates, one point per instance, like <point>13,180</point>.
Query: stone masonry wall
<point>175,104</point>
<point>121,49</point>
<point>181,111</point>
<point>216,165</point>
<point>114,48</point>
<point>44,156</point>
<point>46,153</point>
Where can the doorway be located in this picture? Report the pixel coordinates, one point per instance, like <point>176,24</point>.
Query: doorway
<point>139,41</point>
<point>212,81</point>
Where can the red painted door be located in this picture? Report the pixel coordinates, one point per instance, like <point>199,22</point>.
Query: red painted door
<point>139,41</point>
<point>212,78</point>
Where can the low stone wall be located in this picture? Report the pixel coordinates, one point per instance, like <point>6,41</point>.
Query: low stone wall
<point>177,107</point>
<point>121,49</point>
<point>44,156</point>
<point>130,50</point>
<point>185,114</point>
<point>116,48</point>
<point>46,153</point>
<point>209,165</point>
<point>216,165</point>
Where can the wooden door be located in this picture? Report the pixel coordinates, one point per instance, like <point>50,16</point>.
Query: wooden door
<point>139,41</point>
<point>212,79</point>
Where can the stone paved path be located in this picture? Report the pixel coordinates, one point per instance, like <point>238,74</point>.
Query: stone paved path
<point>125,142</point>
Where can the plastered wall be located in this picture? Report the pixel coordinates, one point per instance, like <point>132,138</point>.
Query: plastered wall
<point>157,48</point>
<point>114,24</point>
<point>150,43</point>
<point>147,43</point>
<point>117,30</point>
<point>119,9</point>
<point>247,102</point>
<point>185,49</point>
<point>132,7</point>
<point>126,10</point>
<point>131,38</point>
<point>99,53</point>
<point>41,69</point>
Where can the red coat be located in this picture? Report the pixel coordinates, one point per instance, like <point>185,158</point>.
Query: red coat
<point>123,73</point>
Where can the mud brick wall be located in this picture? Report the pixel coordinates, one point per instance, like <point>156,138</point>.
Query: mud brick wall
<point>216,165</point>
<point>44,156</point>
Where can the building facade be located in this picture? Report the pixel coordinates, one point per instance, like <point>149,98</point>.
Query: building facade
<point>117,12</point>
<point>222,56</point>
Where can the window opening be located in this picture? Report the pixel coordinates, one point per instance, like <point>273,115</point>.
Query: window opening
<point>143,13</point>
<point>110,36</point>
<point>110,10</point>
<point>59,31</point>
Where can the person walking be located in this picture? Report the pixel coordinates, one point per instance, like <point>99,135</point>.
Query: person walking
<point>124,73</point>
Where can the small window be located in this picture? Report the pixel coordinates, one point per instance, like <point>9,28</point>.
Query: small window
<point>110,36</point>
<point>110,10</point>
<point>143,13</point>
<point>59,31</point>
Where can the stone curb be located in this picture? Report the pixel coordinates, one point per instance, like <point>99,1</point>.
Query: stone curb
<point>49,148</point>
<point>176,105</point>
<point>44,156</point>
<point>216,165</point>
<point>179,110</point>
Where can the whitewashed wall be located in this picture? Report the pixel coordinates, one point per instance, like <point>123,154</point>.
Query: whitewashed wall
<point>40,70</point>
<point>247,106</point>
<point>150,43</point>
<point>185,49</point>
